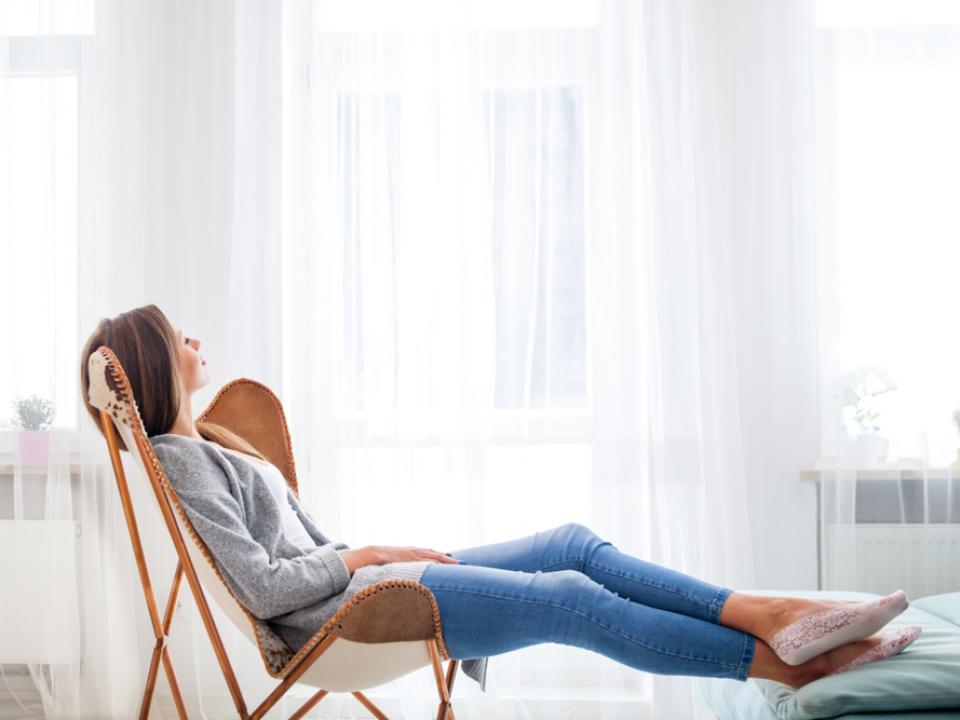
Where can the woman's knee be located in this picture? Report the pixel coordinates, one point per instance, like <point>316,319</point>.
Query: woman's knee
<point>572,590</point>
<point>577,541</point>
<point>490,611</point>
<point>573,532</point>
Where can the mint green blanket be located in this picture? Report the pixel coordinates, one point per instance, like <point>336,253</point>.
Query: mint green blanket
<point>922,682</point>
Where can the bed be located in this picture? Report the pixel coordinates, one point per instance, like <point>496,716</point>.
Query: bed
<point>921,683</point>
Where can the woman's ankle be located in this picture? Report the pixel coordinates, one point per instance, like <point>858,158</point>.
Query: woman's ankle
<point>767,666</point>
<point>759,615</point>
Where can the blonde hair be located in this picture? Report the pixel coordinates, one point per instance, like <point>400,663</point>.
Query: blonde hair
<point>226,437</point>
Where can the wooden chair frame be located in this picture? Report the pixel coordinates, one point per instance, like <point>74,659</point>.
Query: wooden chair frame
<point>185,568</point>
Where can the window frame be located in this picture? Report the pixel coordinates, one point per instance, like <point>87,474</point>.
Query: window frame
<point>565,425</point>
<point>51,55</point>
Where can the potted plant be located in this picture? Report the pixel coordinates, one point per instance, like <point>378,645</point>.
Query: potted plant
<point>956,421</point>
<point>861,388</point>
<point>33,415</point>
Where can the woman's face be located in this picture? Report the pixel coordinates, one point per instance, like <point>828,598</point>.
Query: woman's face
<point>193,367</point>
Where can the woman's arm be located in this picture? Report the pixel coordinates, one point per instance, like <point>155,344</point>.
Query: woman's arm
<point>358,558</point>
<point>267,585</point>
<point>381,554</point>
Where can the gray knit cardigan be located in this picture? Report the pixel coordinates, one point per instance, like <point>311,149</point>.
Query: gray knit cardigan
<point>295,592</point>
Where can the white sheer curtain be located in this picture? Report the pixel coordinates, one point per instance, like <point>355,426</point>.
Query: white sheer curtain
<point>140,164</point>
<point>889,82</point>
<point>553,264</point>
<point>507,264</point>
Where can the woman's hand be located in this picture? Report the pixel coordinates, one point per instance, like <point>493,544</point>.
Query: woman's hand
<point>382,554</point>
<point>388,554</point>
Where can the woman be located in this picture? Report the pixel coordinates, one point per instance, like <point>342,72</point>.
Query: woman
<point>565,585</point>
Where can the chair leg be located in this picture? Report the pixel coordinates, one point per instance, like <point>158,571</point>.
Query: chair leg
<point>308,705</point>
<point>444,687</point>
<point>368,704</point>
<point>151,681</point>
<point>161,628</point>
<point>452,667</point>
<point>160,654</point>
<point>165,656</point>
<point>174,686</point>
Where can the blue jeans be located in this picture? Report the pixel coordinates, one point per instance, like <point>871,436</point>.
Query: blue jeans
<point>566,585</point>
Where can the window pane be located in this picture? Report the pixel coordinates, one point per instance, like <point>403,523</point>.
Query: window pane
<point>38,238</point>
<point>863,13</point>
<point>368,171</point>
<point>547,485</point>
<point>421,15</point>
<point>536,244</point>
<point>536,139</point>
<point>898,231</point>
<point>46,17</point>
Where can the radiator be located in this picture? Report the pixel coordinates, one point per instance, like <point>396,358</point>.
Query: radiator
<point>40,623</point>
<point>921,559</point>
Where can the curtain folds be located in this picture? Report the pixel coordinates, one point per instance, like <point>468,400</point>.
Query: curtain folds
<point>506,266</point>
<point>889,473</point>
<point>567,272</point>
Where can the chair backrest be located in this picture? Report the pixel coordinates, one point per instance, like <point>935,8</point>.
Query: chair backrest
<point>244,406</point>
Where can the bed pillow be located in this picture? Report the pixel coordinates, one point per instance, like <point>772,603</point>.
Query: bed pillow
<point>946,606</point>
<point>925,676</point>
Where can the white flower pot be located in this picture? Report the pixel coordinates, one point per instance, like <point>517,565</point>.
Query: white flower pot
<point>34,447</point>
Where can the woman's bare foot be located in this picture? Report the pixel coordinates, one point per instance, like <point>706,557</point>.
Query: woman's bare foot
<point>768,666</point>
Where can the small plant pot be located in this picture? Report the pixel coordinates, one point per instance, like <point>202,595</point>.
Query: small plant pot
<point>872,450</point>
<point>34,447</point>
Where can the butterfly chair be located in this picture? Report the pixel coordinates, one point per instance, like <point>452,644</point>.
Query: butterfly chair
<point>383,632</point>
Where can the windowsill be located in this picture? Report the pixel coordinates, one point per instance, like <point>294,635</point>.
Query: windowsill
<point>9,462</point>
<point>84,445</point>
<point>14,431</point>
<point>893,471</point>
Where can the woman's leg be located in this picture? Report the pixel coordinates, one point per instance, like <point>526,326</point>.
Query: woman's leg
<point>575,547</point>
<point>487,611</point>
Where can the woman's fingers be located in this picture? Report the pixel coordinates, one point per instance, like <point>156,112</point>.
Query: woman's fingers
<point>438,556</point>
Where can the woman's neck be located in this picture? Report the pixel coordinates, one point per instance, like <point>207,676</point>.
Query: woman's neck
<point>184,424</point>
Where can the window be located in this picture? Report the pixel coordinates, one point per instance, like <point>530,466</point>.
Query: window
<point>39,91</point>
<point>896,97</point>
<point>445,161</point>
<point>535,235</point>
<point>539,256</point>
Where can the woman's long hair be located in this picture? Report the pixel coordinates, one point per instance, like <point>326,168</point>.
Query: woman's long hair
<point>146,344</point>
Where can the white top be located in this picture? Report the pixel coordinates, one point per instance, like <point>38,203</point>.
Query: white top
<point>293,529</point>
